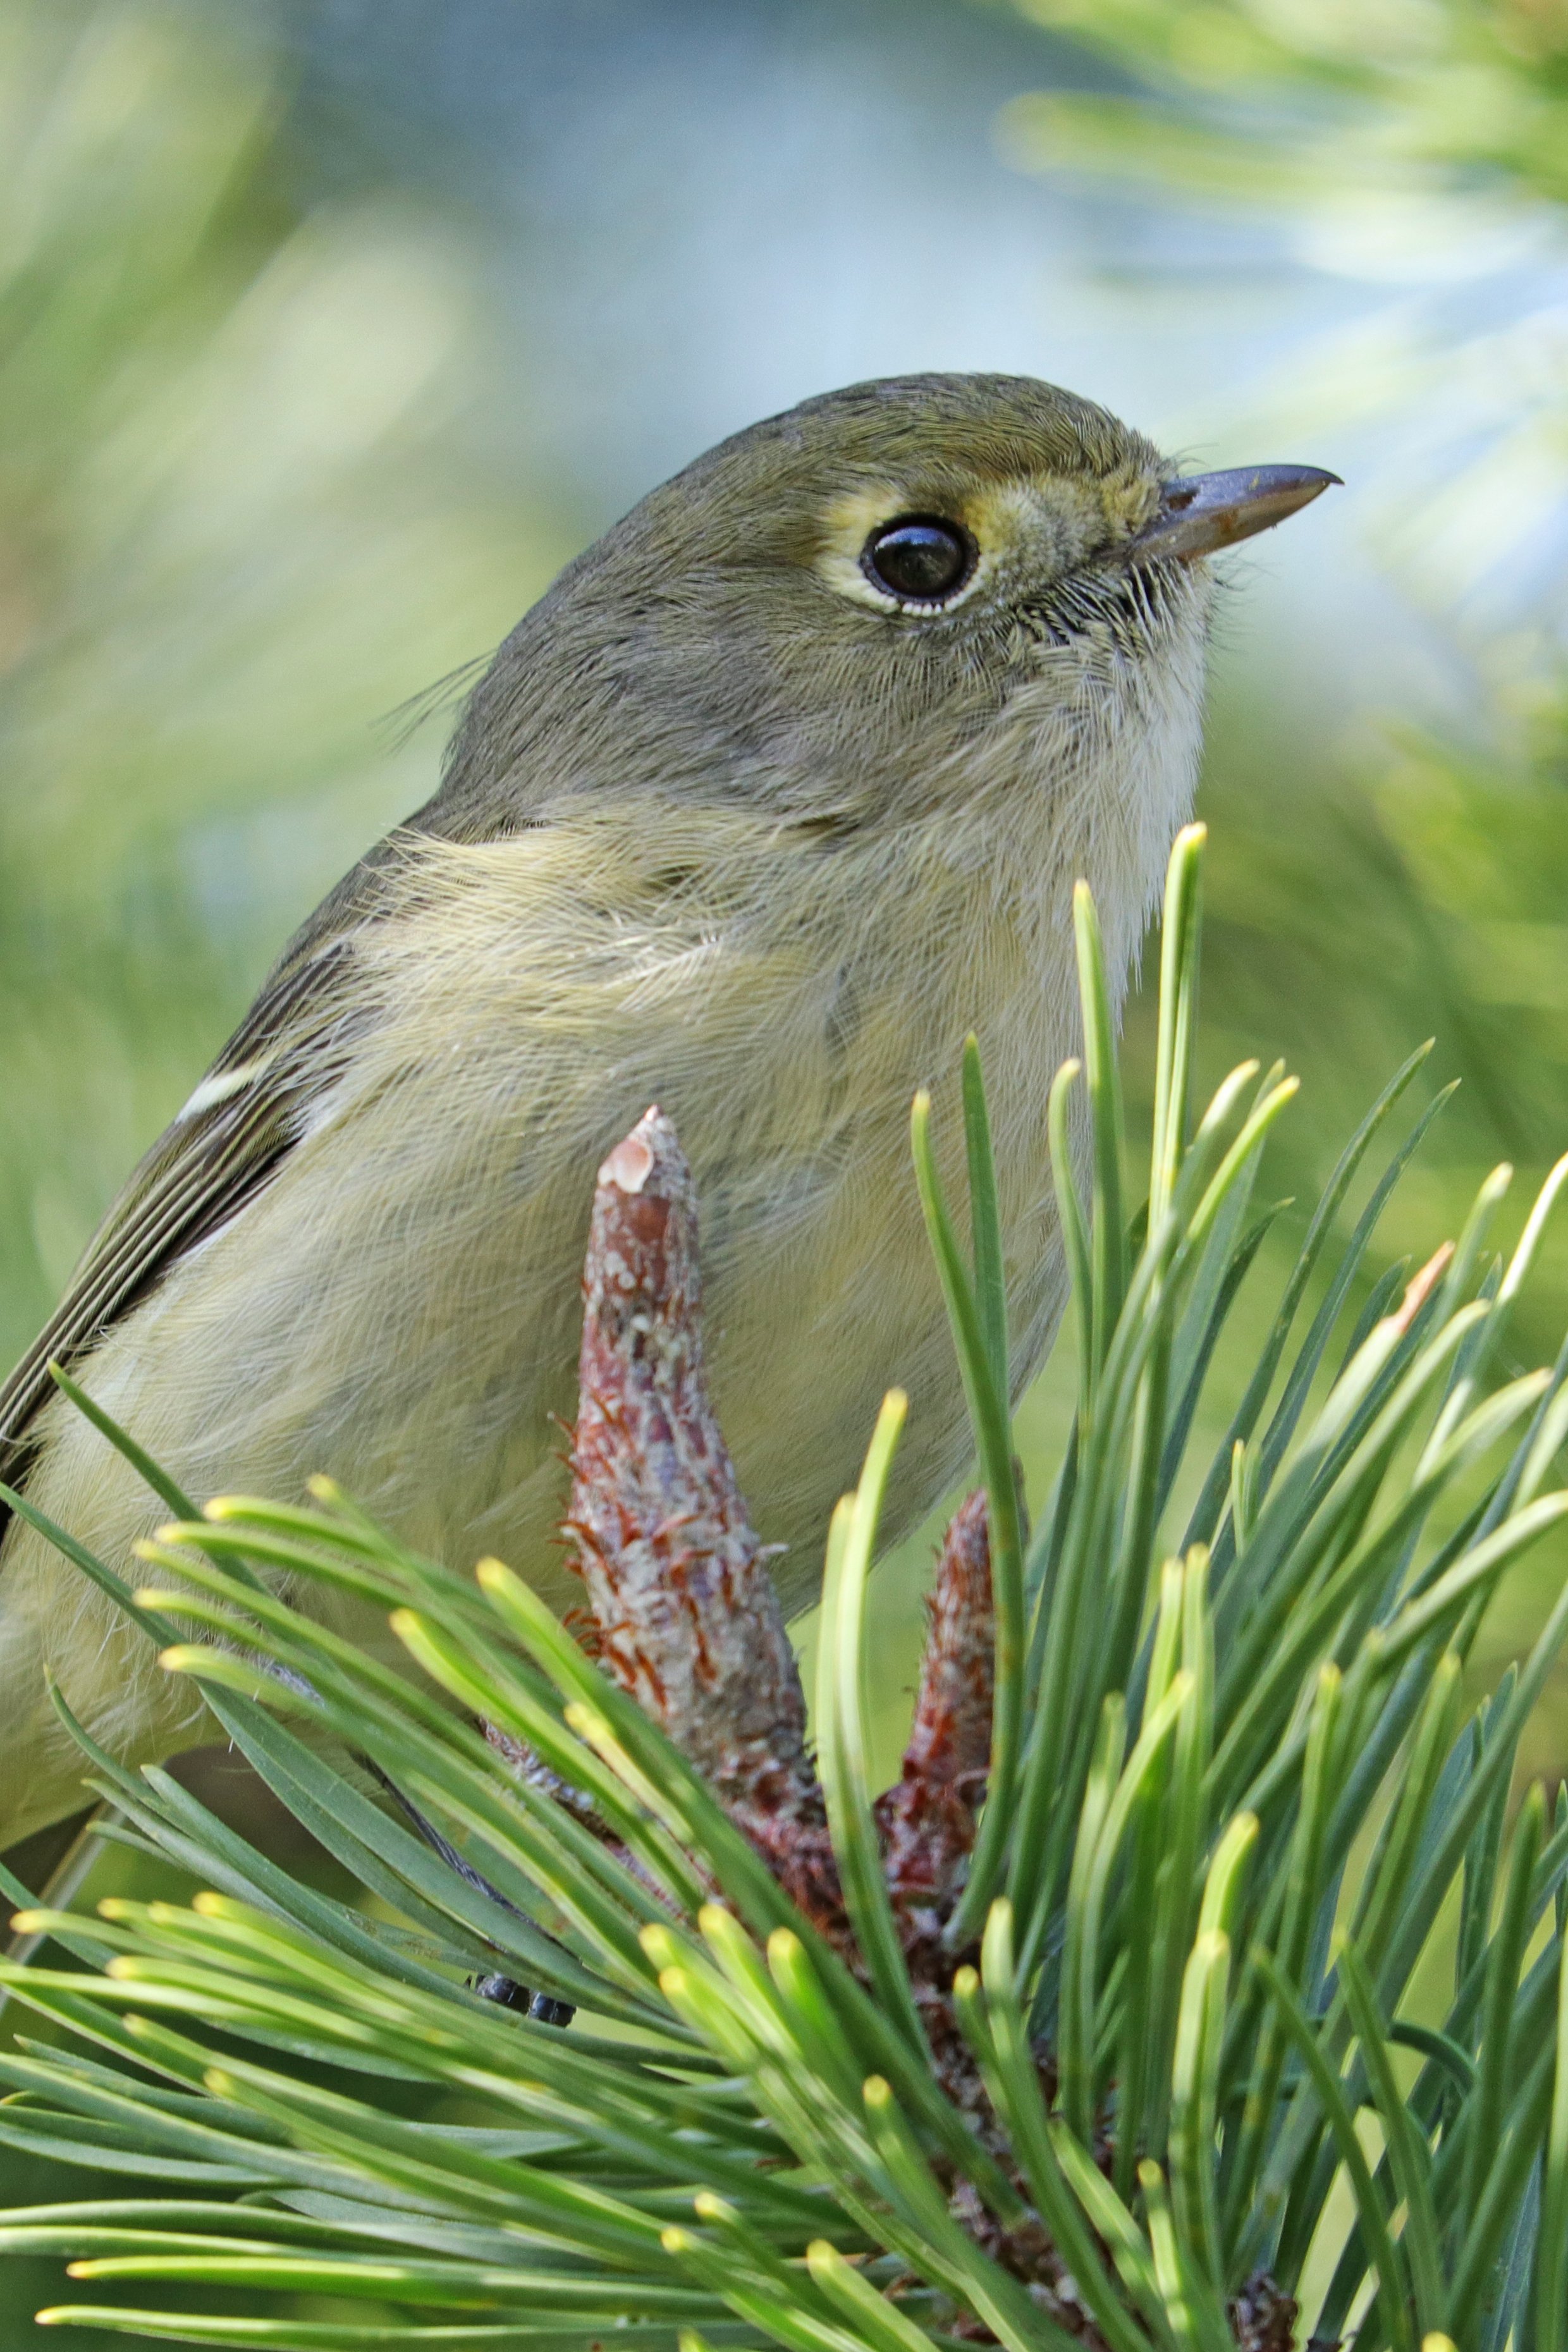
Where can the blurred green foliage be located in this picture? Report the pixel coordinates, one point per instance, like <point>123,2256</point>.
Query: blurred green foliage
<point>1351,101</point>
<point>238,525</point>
<point>1422,147</point>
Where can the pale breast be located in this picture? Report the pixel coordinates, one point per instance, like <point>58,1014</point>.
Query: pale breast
<point>400,1304</point>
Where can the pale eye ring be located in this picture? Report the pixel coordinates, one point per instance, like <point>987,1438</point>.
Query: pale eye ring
<point>920,559</point>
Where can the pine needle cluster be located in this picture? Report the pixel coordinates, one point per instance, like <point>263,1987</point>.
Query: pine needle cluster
<point>1091,2048</point>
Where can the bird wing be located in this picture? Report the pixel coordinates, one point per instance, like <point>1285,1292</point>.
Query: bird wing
<point>228,1143</point>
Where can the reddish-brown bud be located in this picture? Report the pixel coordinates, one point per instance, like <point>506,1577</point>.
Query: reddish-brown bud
<point>688,1620</point>
<point>928,1817</point>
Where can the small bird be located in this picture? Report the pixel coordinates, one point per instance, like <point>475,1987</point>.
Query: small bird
<point>780,790</point>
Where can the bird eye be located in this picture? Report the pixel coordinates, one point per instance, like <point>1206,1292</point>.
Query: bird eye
<point>919,558</point>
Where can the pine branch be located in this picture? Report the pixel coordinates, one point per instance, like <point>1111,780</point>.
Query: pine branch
<point>1062,2041</point>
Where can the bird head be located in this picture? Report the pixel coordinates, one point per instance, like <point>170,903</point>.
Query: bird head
<point>872,608</point>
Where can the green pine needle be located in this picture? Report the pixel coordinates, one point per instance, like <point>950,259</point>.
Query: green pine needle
<point>1235,1799</point>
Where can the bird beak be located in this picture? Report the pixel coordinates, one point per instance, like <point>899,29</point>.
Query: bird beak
<point>1208,511</point>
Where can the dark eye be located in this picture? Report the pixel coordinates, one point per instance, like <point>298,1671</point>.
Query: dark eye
<point>919,558</point>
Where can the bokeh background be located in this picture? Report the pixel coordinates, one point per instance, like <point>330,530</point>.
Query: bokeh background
<point>329,328</point>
